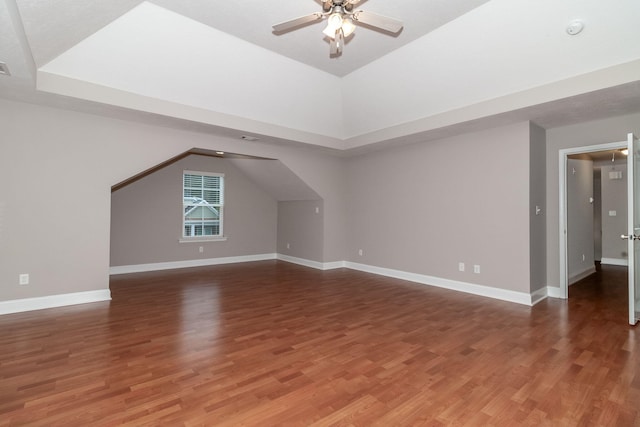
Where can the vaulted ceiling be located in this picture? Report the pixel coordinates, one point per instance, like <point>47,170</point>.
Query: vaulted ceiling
<point>217,66</point>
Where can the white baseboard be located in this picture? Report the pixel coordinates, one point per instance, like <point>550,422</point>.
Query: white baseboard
<point>52,301</point>
<point>141,268</point>
<point>581,275</point>
<point>555,292</point>
<point>470,288</point>
<point>313,264</point>
<point>539,295</point>
<point>615,261</point>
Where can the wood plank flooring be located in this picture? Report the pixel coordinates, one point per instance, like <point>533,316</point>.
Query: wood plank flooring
<point>271,343</point>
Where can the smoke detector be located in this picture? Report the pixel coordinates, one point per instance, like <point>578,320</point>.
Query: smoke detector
<point>575,27</point>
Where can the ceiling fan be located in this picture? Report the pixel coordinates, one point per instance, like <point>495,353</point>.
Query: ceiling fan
<point>341,19</point>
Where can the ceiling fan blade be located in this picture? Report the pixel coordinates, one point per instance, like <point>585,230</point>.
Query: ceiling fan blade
<point>335,47</point>
<point>340,41</point>
<point>377,21</point>
<point>297,22</point>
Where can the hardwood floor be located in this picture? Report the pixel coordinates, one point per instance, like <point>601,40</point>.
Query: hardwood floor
<point>271,343</point>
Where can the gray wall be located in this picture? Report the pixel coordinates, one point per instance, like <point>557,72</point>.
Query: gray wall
<point>537,199</point>
<point>597,214</point>
<point>300,227</point>
<point>426,207</point>
<point>614,198</point>
<point>421,208</point>
<point>580,250</point>
<point>584,134</point>
<point>64,163</point>
<point>146,220</point>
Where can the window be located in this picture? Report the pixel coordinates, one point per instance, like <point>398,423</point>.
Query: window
<point>203,202</point>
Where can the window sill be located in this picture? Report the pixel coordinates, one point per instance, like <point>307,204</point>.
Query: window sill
<point>202,239</point>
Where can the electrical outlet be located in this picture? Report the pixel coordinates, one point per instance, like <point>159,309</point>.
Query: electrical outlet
<point>360,252</point>
<point>288,246</point>
<point>24,279</point>
<point>201,249</point>
<point>476,269</point>
<point>461,266</point>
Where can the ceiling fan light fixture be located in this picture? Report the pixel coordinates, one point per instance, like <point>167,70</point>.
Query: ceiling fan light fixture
<point>348,27</point>
<point>329,32</point>
<point>341,22</point>
<point>334,22</point>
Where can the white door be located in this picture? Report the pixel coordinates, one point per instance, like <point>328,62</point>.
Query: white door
<point>633,185</point>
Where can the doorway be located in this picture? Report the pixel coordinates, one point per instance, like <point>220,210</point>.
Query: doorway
<point>575,234</point>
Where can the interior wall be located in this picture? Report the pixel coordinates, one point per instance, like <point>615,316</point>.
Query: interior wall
<point>424,208</point>
<point>64,163</point>
<point>300,230</point>
<point>421,208</point>
<point>580,251</point>
<point>597,214</point>
<point>58,168</point>
<point>146,217</point>
<point>583,134</point>
<point>614,215</point>
<point>326,175</point>
<point>537,212</point>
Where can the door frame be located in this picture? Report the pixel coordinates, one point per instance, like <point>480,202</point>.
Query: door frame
<point>632,222</point>
<point>563,156</point>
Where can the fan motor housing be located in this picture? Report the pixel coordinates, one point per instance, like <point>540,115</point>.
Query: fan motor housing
<point>330,4</point>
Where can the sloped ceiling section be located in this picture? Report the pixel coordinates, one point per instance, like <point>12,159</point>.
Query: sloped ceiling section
<point>500,56</point>
<point>276,179</point>
<point>513,50</point>
<point>155,60</point>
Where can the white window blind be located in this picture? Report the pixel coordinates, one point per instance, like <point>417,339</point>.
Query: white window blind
<point>203,204</point>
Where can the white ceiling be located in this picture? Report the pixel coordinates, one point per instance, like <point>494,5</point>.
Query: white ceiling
<point>217,67</point>
<point>250,20</point>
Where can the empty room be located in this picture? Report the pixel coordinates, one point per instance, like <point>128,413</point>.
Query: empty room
<point>319,212</point>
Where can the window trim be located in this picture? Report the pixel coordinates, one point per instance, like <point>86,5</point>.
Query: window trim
<point>206,238</point>
<point>202,239</point>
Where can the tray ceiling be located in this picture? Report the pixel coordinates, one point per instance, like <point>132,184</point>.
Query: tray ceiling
<point>217,66</point>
